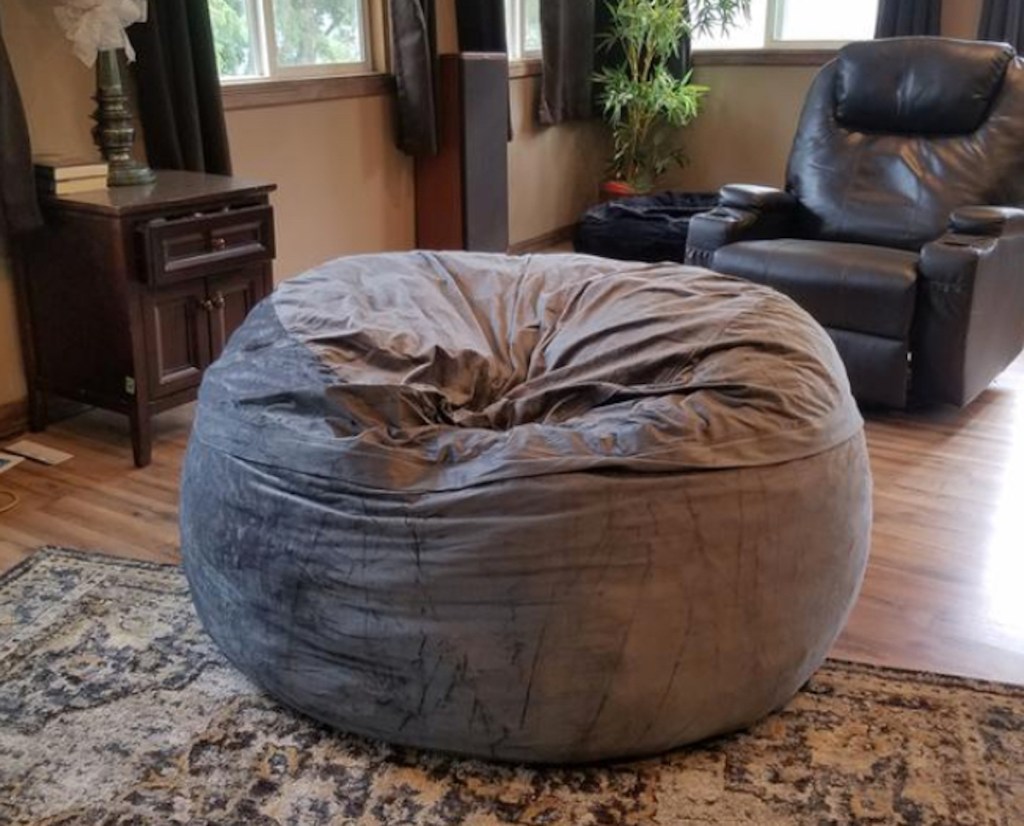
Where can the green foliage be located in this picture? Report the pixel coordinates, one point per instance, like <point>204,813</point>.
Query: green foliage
<point>312,32</point>
<point>531,25</point>
<point>643,102</point>
<point>231,35</point>
<point>715,16</point>
<point>308,33</point>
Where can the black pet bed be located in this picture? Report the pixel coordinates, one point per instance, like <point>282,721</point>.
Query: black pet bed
<point>642,228</point>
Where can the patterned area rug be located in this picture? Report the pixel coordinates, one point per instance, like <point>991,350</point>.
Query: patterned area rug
<point>116,708</point>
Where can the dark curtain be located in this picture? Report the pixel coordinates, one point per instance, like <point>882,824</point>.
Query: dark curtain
<point>179,88</point>
<point>567,29</point>
<point>571,32</point>
<point>19,209</point>
<point>904,18</point>
<point>481,25</point>
<point>414,62</point>
<point>1003,22</point>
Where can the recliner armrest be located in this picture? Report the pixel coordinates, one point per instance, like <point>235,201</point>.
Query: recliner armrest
<point>969,321</point>
<point>758,198</point>
<point>746,213</point>
<point>987,221</point>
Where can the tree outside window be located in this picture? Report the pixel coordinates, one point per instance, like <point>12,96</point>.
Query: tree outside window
<point>269,38</point>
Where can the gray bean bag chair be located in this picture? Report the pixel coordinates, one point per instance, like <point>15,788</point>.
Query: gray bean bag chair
<point>552,508</point>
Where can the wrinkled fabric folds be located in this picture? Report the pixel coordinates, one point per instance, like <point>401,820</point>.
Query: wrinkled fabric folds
<point>431,371</point>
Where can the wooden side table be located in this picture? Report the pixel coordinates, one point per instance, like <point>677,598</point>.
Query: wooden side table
<point>126,295</point>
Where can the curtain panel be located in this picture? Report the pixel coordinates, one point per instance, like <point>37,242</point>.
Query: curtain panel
<point>19,208</point>
<point>567,31</point>
<point>1003,22</point>
<point>571,31</point>
<point>481,25</point>
<point>905,18</point>
<point>180,103</point>
<point>414,62</point>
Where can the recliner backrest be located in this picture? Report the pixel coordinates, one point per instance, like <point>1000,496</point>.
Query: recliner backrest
<point>895,134</point>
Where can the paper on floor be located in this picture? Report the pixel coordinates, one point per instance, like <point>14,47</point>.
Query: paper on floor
<point>38,452</point>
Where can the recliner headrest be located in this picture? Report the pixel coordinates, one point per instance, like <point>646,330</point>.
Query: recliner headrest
<point>918,85</point>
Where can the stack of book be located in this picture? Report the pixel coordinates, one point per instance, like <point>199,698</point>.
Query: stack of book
<point>57,175</point>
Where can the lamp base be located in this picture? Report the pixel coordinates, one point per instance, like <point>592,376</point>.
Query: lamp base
<point>129,173</point>
<point>114,132</point>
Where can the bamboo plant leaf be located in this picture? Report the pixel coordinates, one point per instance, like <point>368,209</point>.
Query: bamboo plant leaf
<point>644,103</point>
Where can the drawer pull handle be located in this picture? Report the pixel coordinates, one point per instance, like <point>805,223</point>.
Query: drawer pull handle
<point>219,244</point>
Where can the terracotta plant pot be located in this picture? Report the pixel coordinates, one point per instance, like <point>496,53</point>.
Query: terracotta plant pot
<point>610,190</point>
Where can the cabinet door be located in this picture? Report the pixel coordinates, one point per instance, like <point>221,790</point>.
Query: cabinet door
<point>178,338</point>
<point>231,298</point>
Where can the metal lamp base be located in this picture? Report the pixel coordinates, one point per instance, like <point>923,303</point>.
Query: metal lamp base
<point>114,132</point>
<point>129,173</point>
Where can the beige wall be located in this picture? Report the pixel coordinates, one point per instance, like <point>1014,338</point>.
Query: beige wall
<point>747,126</point>
<point>960,18</point>
<point>554,172</point>
<point>56,89</point>
<point>343,188</point>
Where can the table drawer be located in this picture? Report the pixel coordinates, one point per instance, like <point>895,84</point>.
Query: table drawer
<point>203,244</point>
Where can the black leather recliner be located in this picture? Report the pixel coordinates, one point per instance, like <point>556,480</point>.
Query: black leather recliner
<point>898,229</point>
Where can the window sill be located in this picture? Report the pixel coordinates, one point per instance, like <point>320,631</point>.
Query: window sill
<point>531,67</point>
<point>763,57</point>
<point>261,94</point>
<point>527,67</point>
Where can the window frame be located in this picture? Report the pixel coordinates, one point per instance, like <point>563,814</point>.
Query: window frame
<point>771,41</point>
<point>515,15</point>
<point>263,36</point>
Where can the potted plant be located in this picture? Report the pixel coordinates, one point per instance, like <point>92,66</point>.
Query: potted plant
<point>644,102</point>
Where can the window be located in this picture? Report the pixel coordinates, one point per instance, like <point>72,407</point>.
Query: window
<point>261,39</point>
<point>523,20</point>
<point>795,24</point>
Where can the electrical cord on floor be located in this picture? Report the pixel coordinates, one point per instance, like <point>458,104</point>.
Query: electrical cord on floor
<point>11,503</point>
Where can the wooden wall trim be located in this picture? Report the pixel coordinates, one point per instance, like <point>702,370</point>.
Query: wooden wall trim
<point>544,243</point>
<point>528,67</point>
<point>265,93</point>
<point>531,67</point>
<point>13,418</point>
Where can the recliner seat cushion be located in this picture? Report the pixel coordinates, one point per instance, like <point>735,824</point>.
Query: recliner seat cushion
<point>853,287</point>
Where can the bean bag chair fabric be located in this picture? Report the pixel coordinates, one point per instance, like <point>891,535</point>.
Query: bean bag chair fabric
<point>642,228</point>
<point>551,508</point>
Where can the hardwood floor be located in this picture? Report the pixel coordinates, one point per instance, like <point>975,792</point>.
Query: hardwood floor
<point>944,589</point>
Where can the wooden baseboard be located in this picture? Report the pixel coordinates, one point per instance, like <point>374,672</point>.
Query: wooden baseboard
<point>542,243</point>
<point>13,418</point>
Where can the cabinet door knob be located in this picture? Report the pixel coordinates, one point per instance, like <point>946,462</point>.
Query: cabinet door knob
<point>219,244</point>
<point>218,301</point>
<point>207,305</point>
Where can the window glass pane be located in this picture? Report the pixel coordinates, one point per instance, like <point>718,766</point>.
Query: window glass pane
<point>531,27</point>
<point>235,34</point>
<point>319,32</point>
<point>744,34</point>
<point>826,20</point>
